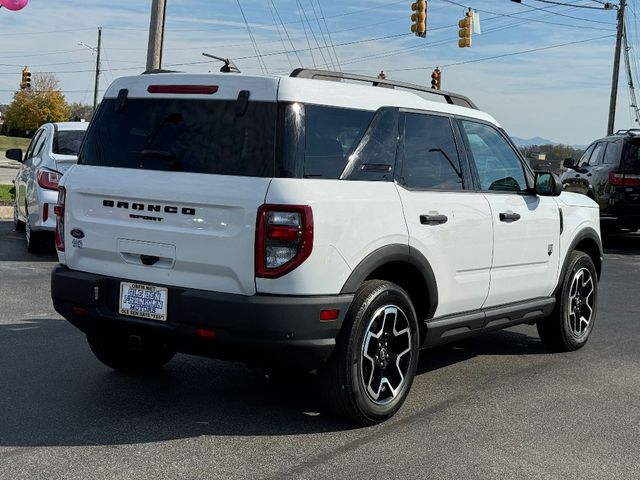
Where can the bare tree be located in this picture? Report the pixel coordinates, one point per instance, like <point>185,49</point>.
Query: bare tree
<point>44,82</point>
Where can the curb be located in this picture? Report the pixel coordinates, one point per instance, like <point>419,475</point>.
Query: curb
<point>6,213</point>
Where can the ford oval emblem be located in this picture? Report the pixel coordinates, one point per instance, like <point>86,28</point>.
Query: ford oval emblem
<point>77,233</point>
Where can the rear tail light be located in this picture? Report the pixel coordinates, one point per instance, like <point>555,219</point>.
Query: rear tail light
<point>48,179</point>
<point>284,239</point>
<point>624,179</point>
<point>59,211</point>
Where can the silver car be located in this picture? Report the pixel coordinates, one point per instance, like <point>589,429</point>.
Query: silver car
<point>53,149</point>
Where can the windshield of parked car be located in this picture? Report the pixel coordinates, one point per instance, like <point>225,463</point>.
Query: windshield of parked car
<point>211,136</point>
<point>67,142</point>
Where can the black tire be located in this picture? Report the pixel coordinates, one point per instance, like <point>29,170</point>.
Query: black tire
<point>35,240</point>
<point>116,351</point>
<point>358,355</point>
<point>567,328</point>
<point>18,225</point>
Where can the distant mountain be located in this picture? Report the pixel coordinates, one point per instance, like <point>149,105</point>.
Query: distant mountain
<point>525,142</point>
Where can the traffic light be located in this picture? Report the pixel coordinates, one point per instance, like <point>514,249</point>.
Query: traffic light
<point>436,77</point>
<point>466,30</point>
<point>419,18</point>
<point>26,79</point>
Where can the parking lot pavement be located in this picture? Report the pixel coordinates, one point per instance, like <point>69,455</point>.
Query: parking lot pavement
<point>496,407</point>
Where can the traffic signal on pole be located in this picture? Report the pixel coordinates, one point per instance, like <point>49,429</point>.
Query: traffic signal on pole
<point>419,18</point>
<point>436,77</point>
<point>466,30</point>
<point>26,79</point>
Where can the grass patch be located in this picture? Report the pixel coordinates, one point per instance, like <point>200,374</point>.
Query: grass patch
<point>6,194</point>
<point>13,142</point>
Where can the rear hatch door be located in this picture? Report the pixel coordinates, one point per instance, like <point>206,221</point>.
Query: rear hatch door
<point>168,184</point>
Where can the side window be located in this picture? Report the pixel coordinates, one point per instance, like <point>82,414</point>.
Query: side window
<point>40,144</point>
<point>584,159</point>
<point>498,166</point>
<point>374,157</point>
<point>30,149</point>
<point>598,153</point>
<point>330,135</point>
<point>612,153</point>
<point>430,155</point>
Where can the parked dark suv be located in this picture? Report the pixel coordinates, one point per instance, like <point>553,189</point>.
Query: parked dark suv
<point>609,172</point>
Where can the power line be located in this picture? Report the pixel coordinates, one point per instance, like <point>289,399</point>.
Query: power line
<point>504,55</point>
<point>263,66</point>
<point>564,5</point>
<point>324,19</point>
<point>570,7</point>
<point>404,51</point>
<point>528,6</point>
<point>631,87</point>
<point>324,38</point>
<point>284,46</point>
<point>313,60</point>
<point>303,14</point>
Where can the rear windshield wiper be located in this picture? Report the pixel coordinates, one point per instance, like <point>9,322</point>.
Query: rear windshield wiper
<point>160,155</point>
<point>155,154</point>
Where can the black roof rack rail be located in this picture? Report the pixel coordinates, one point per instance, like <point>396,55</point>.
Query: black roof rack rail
<point>630,131</point>
<point>451,98</point>
<point>159,70</point>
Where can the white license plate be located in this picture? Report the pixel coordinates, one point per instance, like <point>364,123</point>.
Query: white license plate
<point>144,301</point>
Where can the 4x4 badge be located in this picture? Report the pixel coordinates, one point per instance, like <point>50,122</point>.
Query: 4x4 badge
<point>550,249</point>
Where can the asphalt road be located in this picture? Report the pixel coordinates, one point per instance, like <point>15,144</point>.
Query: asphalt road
<point>496,407</point>
<point>8,170</point>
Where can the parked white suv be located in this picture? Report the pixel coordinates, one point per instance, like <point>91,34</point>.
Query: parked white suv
<point>313,224</point>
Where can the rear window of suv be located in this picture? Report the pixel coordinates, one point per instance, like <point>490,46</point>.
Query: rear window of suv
<point>631,156</point>
<point>67,142</point>
<point>214,136</point>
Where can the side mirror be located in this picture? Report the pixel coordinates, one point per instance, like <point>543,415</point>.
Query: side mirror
<point>569,163</point>
<point>548,184</point>
<point>14,154</point>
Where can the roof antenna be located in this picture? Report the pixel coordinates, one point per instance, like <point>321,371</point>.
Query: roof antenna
<point>228,67</point>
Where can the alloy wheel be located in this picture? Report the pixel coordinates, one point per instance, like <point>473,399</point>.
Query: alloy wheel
<point>580,304</point>
<point>386,354</point>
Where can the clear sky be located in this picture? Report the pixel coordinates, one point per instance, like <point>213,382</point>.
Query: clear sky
<point>560,93</point>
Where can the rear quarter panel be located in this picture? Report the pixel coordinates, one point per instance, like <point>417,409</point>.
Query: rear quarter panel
<point>351,220</point>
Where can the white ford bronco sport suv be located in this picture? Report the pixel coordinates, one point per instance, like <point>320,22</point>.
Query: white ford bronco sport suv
<point>311,224</point>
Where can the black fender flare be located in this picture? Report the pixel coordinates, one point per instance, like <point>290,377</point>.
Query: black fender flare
<point>587,233</point>
<point>394,253</point>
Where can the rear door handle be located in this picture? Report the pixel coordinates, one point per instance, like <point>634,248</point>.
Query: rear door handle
<point>436,219</point>
<point>509,217</point>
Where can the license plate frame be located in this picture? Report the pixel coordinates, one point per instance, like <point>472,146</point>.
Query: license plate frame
<point>142,300</point>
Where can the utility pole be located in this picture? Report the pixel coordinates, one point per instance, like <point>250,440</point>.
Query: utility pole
<point>97,86</point>
<point>156,35</point>
<point>616,68</point>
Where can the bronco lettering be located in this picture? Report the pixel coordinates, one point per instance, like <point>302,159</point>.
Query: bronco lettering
<point>148,207</point>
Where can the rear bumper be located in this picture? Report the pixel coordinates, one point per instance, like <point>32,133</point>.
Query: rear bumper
<point>41,213</point>
<point>620,218</point>
<point>264,329</point>
<point>616,208</point>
